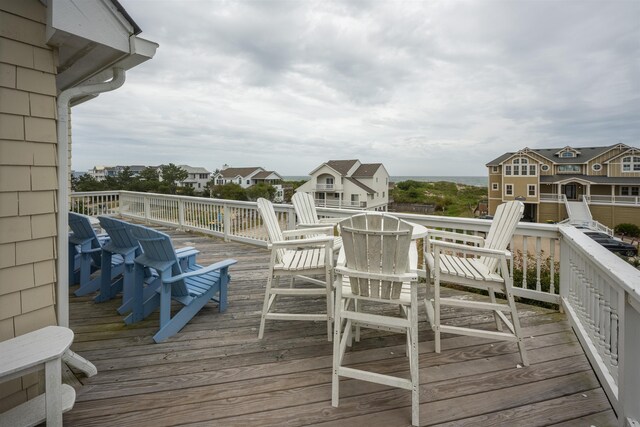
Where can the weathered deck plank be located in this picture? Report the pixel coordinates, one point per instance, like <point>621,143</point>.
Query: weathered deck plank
<point>216,371</point>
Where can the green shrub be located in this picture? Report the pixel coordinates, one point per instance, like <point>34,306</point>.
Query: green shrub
<point>628,229</point>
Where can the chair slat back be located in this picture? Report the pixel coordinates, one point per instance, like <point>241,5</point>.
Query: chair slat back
<point>82,230</point>
<point>270,220</point>
<point>305,208</point>
<point>376,243</point>
<point>158,250</point>
<point>119,232</point>
<point>502,228</point>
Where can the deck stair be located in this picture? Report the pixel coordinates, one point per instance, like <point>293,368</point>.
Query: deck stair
<point>580,215</point>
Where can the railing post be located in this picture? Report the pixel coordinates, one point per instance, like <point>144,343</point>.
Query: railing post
<point>565,273</point>
<point>291,218</point>
<point>226,215</point>
<point>180,214</point>
<point>147,209</point>
<point>629,374</point>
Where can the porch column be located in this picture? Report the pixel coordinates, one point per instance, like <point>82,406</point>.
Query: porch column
<point>340,200</point>
<point>613,194</point>
<point>588,192</point>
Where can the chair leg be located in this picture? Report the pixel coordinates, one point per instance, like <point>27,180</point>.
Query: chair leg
<point>335,379</point>
<point>492,297</point>
<point>265,305</point>
<point>516,328</point>
<point>413,362</point>
<point>436,313</point>
<point>330,304</point>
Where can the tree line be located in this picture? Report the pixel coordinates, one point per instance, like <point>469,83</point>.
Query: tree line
<point>165,180</point>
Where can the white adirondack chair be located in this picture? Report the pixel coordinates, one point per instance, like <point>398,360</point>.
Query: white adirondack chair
<point>486,269</point>
<point>292,255</point>
<point>308,216</point>
<point>376,268</point>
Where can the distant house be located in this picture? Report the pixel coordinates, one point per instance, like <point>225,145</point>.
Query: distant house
<point>99,173</point>
<point>197,178</point>
<point>349,184</point>
<point>604,180</point>
<point>248,176</point>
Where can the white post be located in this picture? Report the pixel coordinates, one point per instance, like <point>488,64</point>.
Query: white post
<point>629,374</point>
<point>147,209</point>
<point>180,214</point>
<point>226,215</point>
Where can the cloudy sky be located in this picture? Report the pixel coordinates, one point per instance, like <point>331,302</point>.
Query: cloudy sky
<point>425,87</point>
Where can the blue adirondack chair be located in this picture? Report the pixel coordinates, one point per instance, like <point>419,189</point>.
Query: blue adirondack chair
<point>193,287</point>
<point>123,243</point>
<point>85,256</point>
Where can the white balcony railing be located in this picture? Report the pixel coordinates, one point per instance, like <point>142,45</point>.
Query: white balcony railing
<point>348,204</point>
<point>328,187</point>
<point>557,264</point>
<point>614,200</point>
<point>596,200</point>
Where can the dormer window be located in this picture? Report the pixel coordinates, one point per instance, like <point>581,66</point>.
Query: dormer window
<point>631,164</point>
<point>568,154</point>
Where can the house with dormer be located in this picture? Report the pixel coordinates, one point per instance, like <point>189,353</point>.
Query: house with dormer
<point>349,184</point>
<point>605,180</point>
<point>248,176</point>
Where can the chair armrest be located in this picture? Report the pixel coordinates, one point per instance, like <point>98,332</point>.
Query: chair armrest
<point>308,231</point>
<point>301,243</point>
<point>88,251</point>
<point>474,250</point>
<point>217,266</point>
<point>403,277</point>
<point>455,236</point>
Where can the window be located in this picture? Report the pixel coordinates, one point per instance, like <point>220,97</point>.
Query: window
<point>596,167</point>
<point>629,191</point>
<point>631,164</point>
<point>520,166</point>
<point>544,168</point>
<point>569,168</point>
<point>248,181</point>
<point>494,169</point>
<point>531,190</point>
<point>494,186</point>
<point>508,189</point>
<point>568,154</point>
<point>383,194</point>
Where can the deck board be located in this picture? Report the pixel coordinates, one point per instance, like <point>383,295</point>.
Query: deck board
<point>216,372</point>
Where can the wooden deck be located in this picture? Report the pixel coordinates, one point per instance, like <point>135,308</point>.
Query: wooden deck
<point>215,372</point>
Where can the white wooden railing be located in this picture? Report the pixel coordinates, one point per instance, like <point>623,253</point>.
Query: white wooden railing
<point>349,204</point>
<point>595,199</point>
<point>601,296</point>
<point>599,292</point>
<point>613,200</point>
<point>328,187</point>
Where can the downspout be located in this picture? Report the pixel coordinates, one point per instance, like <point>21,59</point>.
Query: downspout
<point>64,99</point>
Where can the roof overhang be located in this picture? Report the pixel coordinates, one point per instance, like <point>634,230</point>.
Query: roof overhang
<point>89,48</point>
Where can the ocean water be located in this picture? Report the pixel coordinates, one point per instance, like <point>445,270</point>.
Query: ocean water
<point>478,181</point>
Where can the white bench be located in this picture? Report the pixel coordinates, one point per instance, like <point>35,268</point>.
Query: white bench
<point>31,352</point>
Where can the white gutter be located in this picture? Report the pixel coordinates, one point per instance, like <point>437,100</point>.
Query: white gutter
<point>64,98</point>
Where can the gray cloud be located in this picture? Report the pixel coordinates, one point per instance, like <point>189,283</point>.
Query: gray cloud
<point>428,88</point>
